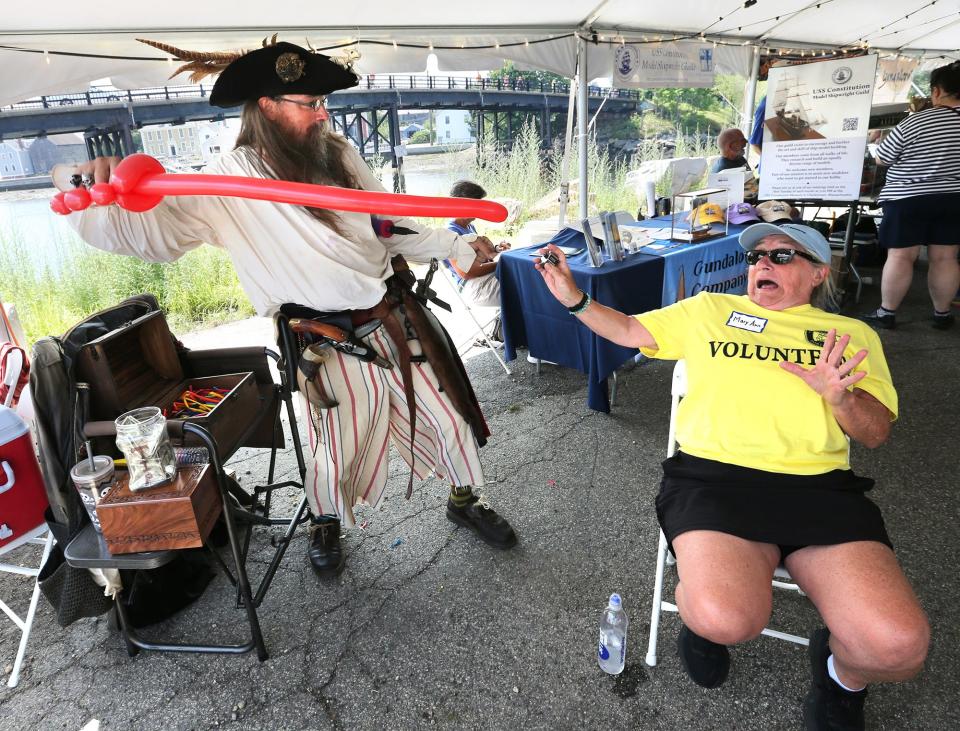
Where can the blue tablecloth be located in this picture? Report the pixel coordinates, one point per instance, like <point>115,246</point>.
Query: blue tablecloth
<point>534,319</point>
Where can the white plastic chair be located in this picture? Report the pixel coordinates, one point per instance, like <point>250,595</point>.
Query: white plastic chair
<point>480,333</point>
<point>781,577</point>
<point>40,536</point>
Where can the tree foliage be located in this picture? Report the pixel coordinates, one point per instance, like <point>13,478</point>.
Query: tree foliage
<point>511,74</point>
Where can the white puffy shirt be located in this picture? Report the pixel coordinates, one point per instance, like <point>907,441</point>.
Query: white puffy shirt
<point>280,252</point>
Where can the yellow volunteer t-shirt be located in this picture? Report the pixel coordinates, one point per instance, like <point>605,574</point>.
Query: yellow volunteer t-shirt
<point>741,407</point>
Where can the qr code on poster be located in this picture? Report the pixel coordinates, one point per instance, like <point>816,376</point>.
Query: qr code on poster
<point>851,124</point>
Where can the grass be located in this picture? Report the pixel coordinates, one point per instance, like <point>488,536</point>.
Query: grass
<point>199,289</point>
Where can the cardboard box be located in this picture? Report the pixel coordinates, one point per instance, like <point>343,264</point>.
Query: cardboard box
<point>179,514</point>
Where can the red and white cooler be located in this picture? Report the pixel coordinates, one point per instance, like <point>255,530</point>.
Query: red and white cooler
<point>22,496</point>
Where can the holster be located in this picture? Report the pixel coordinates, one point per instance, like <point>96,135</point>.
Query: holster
<point>436,345</point>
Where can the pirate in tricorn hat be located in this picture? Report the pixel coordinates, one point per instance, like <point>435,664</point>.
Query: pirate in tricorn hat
<point>330,265</point>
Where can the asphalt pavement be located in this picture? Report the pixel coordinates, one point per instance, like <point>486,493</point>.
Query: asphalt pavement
<point>429,628</point>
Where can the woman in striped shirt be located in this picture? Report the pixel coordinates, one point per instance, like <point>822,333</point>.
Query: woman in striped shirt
<point>920,201</point>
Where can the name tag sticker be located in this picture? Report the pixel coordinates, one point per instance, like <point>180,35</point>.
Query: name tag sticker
<point>747,322</point>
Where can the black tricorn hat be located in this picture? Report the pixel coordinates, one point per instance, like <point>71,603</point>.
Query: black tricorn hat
<point>281,68</point>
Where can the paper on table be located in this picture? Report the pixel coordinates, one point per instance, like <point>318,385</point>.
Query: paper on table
<point>641,232</point>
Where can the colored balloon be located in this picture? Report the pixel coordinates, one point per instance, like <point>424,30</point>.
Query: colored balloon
<point>103,194</point>
<point>77,199</point>
<point>140,183</point>
<point>58,206</point>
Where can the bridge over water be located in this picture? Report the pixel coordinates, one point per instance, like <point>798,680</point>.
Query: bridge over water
<point>368,114</point>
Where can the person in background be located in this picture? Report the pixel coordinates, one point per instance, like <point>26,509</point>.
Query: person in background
<point>732,143</point>
<point>756,132</point>
<point>478,284</point>
<point>920,199</point>
<point>776,389</point>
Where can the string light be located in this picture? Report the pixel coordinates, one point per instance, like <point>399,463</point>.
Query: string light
<point>394,45</point>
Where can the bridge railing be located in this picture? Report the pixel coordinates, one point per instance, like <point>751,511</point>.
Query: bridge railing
<point>107,95</point>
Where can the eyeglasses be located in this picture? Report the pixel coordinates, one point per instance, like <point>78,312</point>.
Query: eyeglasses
<point>778,256</point>
<point>316,105</point>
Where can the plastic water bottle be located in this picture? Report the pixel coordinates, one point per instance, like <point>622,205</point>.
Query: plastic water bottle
<point>612,652</point>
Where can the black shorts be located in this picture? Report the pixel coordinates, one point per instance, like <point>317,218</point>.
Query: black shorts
<point>920,220</point>
<point>789,511</point>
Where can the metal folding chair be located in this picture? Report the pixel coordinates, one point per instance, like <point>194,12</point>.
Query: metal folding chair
<point>781,578</point>
<point>88,550</point>
<point>480,333</point>
<point>258,513</point>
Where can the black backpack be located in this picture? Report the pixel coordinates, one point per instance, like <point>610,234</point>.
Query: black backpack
<point>53,387</point>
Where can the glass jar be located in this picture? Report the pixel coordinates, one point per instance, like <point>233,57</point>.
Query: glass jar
<point>142,437</point>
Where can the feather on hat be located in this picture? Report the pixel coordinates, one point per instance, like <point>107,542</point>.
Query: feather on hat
<point>276,68</point>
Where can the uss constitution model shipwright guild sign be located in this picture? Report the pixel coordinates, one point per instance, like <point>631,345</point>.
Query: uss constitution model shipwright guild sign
<point>673,65</point>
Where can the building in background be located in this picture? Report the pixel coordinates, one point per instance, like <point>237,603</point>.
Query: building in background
<point>452,126</point>
<point>45,152</point>
<point>190,144</point>
<point>15,159</point>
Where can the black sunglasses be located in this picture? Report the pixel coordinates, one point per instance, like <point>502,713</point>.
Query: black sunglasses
<point>778,256</point>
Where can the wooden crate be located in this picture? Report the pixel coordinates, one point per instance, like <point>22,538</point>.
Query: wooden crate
<point>179,514</point>
<point>138,365</point>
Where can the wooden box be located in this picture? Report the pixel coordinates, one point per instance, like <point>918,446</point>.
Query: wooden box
<point>179,514</point>
<point>138,365</point>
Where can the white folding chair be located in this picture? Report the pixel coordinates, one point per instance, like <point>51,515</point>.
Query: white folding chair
<point>781,578</point>
<point>40,535</point>
<point>480,333</point>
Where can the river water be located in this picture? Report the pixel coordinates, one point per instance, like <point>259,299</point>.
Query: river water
<point>27,223</point>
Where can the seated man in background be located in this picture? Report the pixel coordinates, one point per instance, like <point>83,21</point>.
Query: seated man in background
<point>732,143</point>
<point>478,284</point>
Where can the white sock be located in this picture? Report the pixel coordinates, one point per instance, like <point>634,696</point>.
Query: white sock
<point>832,671</point>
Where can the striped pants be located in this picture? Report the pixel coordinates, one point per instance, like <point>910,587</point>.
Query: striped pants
<point>348,455</point>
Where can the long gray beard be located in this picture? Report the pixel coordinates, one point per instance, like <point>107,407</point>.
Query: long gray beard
<point>322,154</point>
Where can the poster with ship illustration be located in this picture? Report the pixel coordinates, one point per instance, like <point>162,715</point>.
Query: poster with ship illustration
<point>815,129</point>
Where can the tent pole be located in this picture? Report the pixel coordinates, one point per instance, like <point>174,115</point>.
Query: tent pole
<point>567,142</point>
<point>583,112</point>
<point>750,98</point>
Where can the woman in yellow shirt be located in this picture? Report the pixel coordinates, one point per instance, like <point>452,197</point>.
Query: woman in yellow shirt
<point>776,387</point>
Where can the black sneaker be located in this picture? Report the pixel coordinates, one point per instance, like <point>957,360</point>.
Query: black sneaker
<point>828,707</point>
<point>483,520</point>
<point>880,318</point>
<point>943,322</point>
<point>706,662</point>
<point>325,554</point>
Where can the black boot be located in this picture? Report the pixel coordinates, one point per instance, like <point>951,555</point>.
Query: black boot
<point>325,554</point>
<point>479,517</point>
<point>706,662</point>
<point>828,707</point>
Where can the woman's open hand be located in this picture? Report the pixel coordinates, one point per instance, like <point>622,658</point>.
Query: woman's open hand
<point>558,277</point>
<point>831,376</point>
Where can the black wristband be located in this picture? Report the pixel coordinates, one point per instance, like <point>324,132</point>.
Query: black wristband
<point>583,300</point>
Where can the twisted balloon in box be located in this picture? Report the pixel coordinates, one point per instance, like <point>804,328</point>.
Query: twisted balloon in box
<point>140,182</point>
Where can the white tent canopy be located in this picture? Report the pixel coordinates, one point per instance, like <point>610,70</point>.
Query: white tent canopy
<point>464,36</point>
